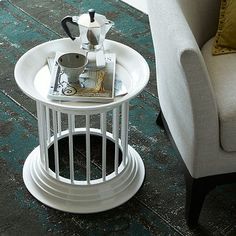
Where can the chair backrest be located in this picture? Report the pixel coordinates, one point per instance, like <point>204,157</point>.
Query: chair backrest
<point>179,28</point>
<point>202,17</point>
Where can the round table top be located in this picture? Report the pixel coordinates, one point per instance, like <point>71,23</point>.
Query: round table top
<point>34,80</point>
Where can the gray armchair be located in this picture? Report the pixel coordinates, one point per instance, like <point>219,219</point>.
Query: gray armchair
<point>197,93</point>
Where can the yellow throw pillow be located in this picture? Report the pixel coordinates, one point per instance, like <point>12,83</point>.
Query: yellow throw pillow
<point>225,40</point>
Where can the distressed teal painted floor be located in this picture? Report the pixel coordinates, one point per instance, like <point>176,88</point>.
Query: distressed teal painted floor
<point>158,208</point>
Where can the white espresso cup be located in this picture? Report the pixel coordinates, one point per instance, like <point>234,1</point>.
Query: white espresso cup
<point>72,64</point>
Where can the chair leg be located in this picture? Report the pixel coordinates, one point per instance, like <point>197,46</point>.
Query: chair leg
<point>159,120</point>
<point>196,191</point>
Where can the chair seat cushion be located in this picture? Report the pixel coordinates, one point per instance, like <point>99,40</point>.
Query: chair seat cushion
<point>222,71</point>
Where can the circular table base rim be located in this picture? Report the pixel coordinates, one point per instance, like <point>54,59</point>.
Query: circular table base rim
<point>89,198</point>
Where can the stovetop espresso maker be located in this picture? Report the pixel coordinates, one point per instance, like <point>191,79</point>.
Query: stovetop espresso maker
<point>93,28</point>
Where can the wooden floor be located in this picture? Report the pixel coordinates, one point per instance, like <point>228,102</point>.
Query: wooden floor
<point>158,207</point>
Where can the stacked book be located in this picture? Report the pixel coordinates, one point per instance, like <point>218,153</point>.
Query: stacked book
<point>95,84</point>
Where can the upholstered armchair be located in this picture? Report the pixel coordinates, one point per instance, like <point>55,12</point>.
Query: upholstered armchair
<point>197,93</point>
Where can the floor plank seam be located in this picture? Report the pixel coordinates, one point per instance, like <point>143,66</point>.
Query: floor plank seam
<point>33,18</point>
<point>162,218</point>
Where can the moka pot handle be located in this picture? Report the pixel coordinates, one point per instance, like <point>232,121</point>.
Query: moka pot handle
<point>64,21</point>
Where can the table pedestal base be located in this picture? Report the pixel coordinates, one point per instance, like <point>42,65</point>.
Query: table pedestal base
<point>83,198</point>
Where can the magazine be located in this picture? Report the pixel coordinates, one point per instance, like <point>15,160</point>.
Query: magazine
<point>93,85</point>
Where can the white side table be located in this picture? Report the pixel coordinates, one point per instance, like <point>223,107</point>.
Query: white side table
<point>43,171</point>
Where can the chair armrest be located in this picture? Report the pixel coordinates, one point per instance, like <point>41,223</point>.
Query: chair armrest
<point>203,120</point>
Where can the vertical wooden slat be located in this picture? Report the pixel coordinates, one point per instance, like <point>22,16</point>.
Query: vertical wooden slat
<point>116,137</point>
<point>124,130</point>
<point>45,136</point>
<point>73,122</point>
<point>71,151</point>
<point>48,124</point>
<point>41,114</point>
<point>59,123</point>
<point>88,151</point>
<point>104,154</point>
<point>56,152</point>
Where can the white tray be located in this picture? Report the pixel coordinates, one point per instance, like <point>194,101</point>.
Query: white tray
<point>31,73</point>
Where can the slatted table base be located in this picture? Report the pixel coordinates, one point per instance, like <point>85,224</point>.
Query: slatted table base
<point>83,197</point>
<point>83,170</point>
